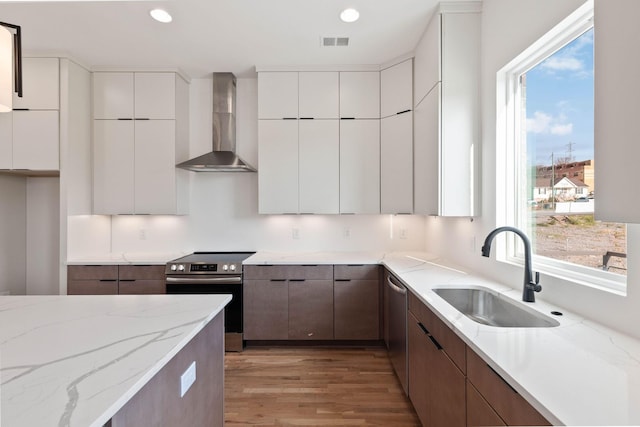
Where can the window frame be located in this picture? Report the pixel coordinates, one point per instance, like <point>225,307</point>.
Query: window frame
<point>511,156</point>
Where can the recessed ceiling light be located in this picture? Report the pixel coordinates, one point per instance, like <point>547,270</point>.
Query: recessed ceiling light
<point>161,15</point>
<point>349,15</point>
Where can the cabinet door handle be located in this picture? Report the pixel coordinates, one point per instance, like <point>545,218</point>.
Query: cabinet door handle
<point>402,112</point>
<point>289,118</point>
<point>503,380</point>
<point>347,118</point>
<point>426,332</point>
<point>124,118</point>
<point>21,109</point>
<point>307,118</point>
<point>108,280</point>
<point>278,280</point>
<point>297,280</point>
<point>142,118</point>
<point>436,343</point>
<point>127,280</point>
<point>343,280</point>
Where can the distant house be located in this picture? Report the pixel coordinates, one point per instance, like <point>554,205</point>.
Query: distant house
<point>564,189</point>
<point>581,171</point>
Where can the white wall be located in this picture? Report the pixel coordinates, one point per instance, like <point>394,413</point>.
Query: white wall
<point>508,27</point>
<point>43,235</point>
<point>223,211</point>
<point>13,231</point>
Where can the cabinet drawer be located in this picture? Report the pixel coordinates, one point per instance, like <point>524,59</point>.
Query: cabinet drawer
<point>92,272</point>
<point>287,272</point>
<point>507,402</point>
<point>450,342</point>
<point>353,271</point>
<point>141,272</point>
<point>141,287</point>
<point>92,287</point>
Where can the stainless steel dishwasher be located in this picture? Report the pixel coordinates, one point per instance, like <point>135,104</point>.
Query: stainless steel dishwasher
<point>396,326</point>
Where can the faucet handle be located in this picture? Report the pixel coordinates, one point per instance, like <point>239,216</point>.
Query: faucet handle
<point>534,285</point>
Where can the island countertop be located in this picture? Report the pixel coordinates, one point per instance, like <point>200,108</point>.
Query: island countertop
<point>76,360</point>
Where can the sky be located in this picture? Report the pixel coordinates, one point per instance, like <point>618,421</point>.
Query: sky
<point>559,96</point>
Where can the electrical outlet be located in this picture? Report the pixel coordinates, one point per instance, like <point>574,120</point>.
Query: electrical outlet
<point>187,379</point>
<point>295,233</point>
<point>346,232</point>
<point>142,234</point>
<point>403,233</point>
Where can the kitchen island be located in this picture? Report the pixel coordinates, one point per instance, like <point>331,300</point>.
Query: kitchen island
<point>93,360</point>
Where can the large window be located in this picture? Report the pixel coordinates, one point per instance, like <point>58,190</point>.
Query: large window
<point>548,154</point>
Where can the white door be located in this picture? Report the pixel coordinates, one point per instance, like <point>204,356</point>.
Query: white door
<point>360,166</point>
<point>318,95</point>
<point>396,170</point>
<point>155,96</point>
<point>396,89</point>
<point>426,143</point>
<point>360,94</point>
<point>41,84</point>
<point>155,167</point>
<point>319,168</point>
<point>278,166</point>
<point>113,167</point>
<point>277,95</point>
<point>113,95</point>
<point>36,140</point>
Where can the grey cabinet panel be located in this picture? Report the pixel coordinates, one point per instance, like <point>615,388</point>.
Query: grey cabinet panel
<point>311,310</point>
<point>266,309</point>
<point>357,309</point>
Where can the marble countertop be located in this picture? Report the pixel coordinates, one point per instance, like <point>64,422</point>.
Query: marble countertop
<point>76,360</point>
<point>126,258</point>
<point>579,373</point>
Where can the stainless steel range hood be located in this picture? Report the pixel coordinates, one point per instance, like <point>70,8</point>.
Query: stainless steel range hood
<point>223,158</point>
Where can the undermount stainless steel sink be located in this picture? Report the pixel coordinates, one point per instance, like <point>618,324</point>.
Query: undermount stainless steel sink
<point>487,307</point>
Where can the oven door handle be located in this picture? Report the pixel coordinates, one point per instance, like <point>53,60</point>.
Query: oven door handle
<point>204,280</point>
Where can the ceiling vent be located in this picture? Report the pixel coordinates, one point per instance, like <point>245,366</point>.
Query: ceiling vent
<point>334,41</point>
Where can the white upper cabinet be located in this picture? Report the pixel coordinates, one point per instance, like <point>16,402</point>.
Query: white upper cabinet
<point>113,95</point>
<point>278,95</point>
<point>41,85</point>
<point>360,94</point>
<point>278,168</point>
<point>30,135</point>
<point>360,166</point>
<point>318,95</point>
<point>396,170</point>
<point>155,96</point>
<point>140,134</point>
<point>617,90</point>
<point>396,89</point>
<point>450,132</point>
<point>319,169</point>
<point>36,140</point>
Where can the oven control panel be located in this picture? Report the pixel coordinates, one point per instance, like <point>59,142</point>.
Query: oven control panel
<point>202,268</point>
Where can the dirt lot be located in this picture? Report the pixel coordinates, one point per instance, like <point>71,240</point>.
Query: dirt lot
<point>580,239</point>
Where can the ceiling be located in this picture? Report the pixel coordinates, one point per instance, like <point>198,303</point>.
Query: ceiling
<point>218,35</point>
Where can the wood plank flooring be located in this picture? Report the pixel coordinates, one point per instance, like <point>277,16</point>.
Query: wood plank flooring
<point>294,386</point>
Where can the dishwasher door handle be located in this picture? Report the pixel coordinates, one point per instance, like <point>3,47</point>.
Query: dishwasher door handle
<point>395,287</point>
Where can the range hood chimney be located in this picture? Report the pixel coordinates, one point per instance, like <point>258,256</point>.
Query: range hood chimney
<point>223,158</point>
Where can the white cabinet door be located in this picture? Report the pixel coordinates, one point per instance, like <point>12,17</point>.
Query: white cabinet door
<point>426,143</point>
<point>41,84</point>
<point>360,94</point>
<point>426,63</point>
<point>154,166</point>
<point>155,96</point>
<point>36,137</point>
<point>6,140</point>
<point>360,166</point>
<point>278,166</point>
<point>113,167</point>
<point>277,95</point>
<point>318,95</point>
<point>396,171</point>
<point>319,168</point>
<point>113,95</point>
<point>396,89</point>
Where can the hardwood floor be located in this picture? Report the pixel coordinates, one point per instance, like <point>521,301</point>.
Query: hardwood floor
<point>293,386</point>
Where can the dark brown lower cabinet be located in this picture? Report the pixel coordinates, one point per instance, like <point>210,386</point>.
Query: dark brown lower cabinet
<point>92,280</point>
<point>159,403</point>
<point>479,412</point>
<point>141,279</point>
<point>310,309</point>
<point>507,403</point>
<point>436,385</point>
<point>266,309</point>
<point>357,309</point>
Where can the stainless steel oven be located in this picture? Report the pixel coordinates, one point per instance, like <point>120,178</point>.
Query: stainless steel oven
<point>212,273</point>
